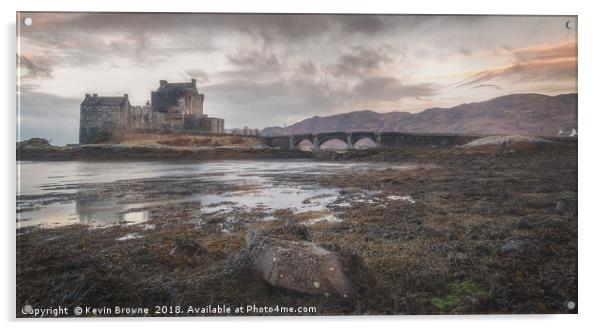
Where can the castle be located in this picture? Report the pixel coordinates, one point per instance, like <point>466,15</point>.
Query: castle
<point>173,106</point>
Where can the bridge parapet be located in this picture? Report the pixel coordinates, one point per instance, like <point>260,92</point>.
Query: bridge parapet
<point>382,139</point>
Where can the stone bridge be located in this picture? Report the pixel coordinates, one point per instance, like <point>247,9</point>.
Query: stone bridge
<point>381,139</point>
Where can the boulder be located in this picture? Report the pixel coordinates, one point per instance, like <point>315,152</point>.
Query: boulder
<point>298,265</point>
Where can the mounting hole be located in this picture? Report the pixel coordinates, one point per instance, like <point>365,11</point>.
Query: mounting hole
<point>571,305</point>
<point>27,309</point>
<point>28,21</point>
<point>570,25</point>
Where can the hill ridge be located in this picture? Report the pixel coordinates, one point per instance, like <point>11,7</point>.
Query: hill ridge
<point>512,114</point>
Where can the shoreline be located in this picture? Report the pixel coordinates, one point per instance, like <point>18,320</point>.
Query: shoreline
<point>118,152</point>
<point>123,152</point>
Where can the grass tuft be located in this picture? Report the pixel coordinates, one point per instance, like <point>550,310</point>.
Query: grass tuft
<point>460,291</point>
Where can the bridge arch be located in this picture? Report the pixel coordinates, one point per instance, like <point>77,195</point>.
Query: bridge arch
<point>298,138</point>
<point>356,136</point>
<point>365,143</point>
<point>321,138</point>
<point>304,144</point>
<point>333,143</point>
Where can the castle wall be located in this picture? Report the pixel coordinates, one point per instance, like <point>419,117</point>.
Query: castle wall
<point>193,104</point>
<point>174,107</point>
<point>203,124</point>
<point>140,117</point>
<point>213,125</point>
<point>100,123</point>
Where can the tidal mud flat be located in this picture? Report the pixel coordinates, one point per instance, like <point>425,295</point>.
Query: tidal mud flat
<point>420,231</point>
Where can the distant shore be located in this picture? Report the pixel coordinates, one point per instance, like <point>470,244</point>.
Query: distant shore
<point>150,152</point>
<point>41,150</point>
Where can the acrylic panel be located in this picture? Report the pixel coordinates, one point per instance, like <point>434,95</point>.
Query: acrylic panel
<point>196,164</point>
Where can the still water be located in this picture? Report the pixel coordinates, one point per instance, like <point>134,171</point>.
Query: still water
<point>50,193</point>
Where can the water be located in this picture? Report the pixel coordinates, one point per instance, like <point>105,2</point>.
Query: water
<point>52,191</point>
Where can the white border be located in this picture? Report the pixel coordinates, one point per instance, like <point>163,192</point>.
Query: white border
<point>590,107</point>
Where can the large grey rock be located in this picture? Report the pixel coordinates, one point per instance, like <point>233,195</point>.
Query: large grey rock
<point>298,265</point>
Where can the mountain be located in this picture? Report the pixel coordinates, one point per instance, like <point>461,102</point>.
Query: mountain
<point>515,114</point>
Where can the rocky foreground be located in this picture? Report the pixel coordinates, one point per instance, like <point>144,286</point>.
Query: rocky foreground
<point>489,230</point>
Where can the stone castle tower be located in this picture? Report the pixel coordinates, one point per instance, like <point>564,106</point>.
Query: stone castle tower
<point>177,101</point>
<point>173,106</point>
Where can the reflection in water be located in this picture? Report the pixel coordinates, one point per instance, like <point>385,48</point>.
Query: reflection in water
<point>90,212</point>
<point>102,213</point>
<point>273,198</point>
<point>257,186</point>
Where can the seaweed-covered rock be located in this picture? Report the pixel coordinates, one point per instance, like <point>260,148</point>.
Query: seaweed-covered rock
<point>187,247</point>
<point>34,143</point>
<point>298,265</point>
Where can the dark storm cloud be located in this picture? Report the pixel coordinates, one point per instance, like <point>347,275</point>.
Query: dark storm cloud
<point>77,39</point>
<point>361,61</point>
<point>260,69</point>
<point>363,24</point>
<point>258,64</point>
<point>306,68</point>
<point>80,39</point>
<point>391,89</point>
<point>134,45</point>
<point>83,33</point>
<point>290,25</point>
<point>35,67</point>
<point>201,76</point>
<point>267,26</point>
<point>76,50</point>
<point>38,113</point>
<point>255,61</point>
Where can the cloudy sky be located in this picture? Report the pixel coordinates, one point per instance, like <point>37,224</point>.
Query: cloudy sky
<point>268,70</point>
